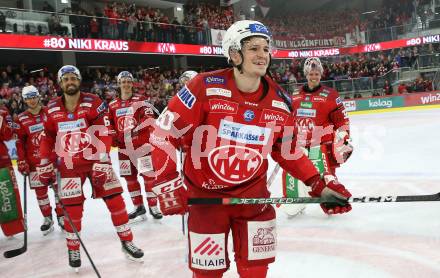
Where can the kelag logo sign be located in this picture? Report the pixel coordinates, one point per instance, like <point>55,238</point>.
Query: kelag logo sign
<point>379,103</point>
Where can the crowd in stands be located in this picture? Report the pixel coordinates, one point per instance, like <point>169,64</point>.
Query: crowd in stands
<point>364,68</point>
<point>128,21</point>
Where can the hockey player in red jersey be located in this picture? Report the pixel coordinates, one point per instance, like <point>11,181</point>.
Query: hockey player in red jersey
<point>231,119</point>
<point>322,127</point>
<point>127,112</point>
<point>78,127</point>
<point>29,128</point>
<point>11,214</point>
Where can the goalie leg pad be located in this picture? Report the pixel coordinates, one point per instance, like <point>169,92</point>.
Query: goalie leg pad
<point>12,223</point>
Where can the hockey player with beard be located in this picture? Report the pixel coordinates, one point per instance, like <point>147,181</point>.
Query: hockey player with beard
<point>232,120</point>
<point>323,131</point>
<point>127,112</point>
<point>78,127</point>
<point>29,128</point>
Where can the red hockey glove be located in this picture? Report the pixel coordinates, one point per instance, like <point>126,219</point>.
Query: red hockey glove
<point>46,173</point>
<point>172,195</point>
<point>328,188</point>
<point>101,173</point>
<point>23,167</point>
<point>341,148</point>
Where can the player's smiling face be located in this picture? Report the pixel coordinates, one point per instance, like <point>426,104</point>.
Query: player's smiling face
<point>256,56</point>
<point>32,102</point>
<point>126,85</point>
<point>70,83</point>
<point>313,78</point>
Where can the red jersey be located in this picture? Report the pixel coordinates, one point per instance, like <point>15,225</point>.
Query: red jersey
<point>128,114</point>
<point>81,137</point>
<point>29,129</point>
<point>6,134</point>
<point>230,134</point>
<point>318,113</point>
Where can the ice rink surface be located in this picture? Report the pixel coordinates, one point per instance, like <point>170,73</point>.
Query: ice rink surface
<point>395,153</point>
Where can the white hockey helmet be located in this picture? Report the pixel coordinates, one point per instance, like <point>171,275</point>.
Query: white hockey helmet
<point>241,30</point>
<point>124,74</point>
<point>29,92</point>
<point>187,76</point>
<point>312,63</point>
<point>68,69</point>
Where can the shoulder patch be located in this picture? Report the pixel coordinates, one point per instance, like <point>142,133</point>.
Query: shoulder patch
<point>186,97</point>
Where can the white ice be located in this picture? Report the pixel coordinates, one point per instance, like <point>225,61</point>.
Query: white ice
<point>395,154</point>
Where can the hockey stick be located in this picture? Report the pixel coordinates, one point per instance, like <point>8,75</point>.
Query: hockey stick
<point>75,230</point>
<point>306,200</point>
<point>273,175</point>
<point>16,252</point>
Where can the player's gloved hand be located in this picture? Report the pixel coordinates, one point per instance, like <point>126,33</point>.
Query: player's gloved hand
<point>172,195</point>
<point>101,173</point>
<point>329,187</point>
<point>46,173</point>
<point>341,147</point>
<point>23,167</point>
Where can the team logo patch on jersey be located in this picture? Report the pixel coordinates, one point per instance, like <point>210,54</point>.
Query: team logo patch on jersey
<point>70,116</point>
<point>269,115</point>
<point>311,113</point>
<point>124,111</point>
<point>324,94</point>
<point>36,139</point>
<point>126,123</point>
<point>218,92</point>
<point>88,99</point>
<point>248,115</point>
<point>305,104</point>
<point>234,164</point>
<point>223,106</point>
<point>241,133</point>
<point>215,80</point>
<point>36,128</point>
<point>186,97</point>
<point>71,125</point>
<point>261,239</point>
<point>75,142</point>
<point>208,251</point>
<point>70,187</point>
<point>305,124</point>
<point>280,105</point>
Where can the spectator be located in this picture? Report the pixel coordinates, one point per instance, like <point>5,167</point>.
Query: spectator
<point>402,88</point>
<point>94,28</point>
<point>5,91</point>
<point>2,22</point>
<point>47,7</point>
<point>387,88</point>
